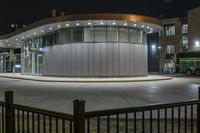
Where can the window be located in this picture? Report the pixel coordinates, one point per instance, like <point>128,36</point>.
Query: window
<point>55,38</point>
<point>88,34</point>
<point>48,40</point>
<point>140,36</point>
<point>92,34</point>
<point>112,34</point>
<point>133,36</point>
<point>64,36</point>
<point>184,28</point>
<point>169,30</point>
<point>100,34</point>
<point>123,35</point>
<point>78,34</point>
<point>170,49</point>
<point>185,40</point>
<point>144,37</point>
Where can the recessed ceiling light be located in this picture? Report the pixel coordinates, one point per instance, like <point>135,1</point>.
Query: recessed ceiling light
<point>23,37</point>
<point>142,26</point>
<point>101,23</point>
<point>42,31</point>
<point>114,23</point>
<point>148,27</point>
<point>58,26</point>
<point>77,24</point>
<point>35,33</point>
<point>135,25</point>
<point>50,28</point>
<point>89,23</point>
<point>67,25</point>
<point>125,23</point>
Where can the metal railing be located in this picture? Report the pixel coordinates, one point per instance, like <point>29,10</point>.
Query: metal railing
<point>2,117</point>
<point>182,117</point>
<point>16,118</point>
<point>176,117</point>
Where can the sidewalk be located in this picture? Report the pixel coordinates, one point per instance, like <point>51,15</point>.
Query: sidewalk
<point>77,79</point>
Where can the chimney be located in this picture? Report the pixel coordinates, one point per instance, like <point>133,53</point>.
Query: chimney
<point>57,13</point>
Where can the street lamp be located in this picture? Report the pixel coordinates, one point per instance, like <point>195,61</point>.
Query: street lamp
<point>197,44</point>
<point>153,46</point>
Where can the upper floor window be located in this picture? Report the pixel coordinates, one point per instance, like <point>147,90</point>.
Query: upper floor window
<point>170,49</point>
<point>185,40</point>
<point>184,28</point>
<point>169,30</point>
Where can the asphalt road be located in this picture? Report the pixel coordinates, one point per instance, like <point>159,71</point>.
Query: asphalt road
<point>60,96</point>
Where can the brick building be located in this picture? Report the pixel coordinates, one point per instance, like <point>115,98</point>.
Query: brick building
<point>172,39</point>
<point>194,29</point>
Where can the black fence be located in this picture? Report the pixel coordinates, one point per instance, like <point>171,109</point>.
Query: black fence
<point>183,117</point>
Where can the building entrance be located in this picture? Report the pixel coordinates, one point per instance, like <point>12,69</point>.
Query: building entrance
<point>8,62</point>
<point>38,64</point>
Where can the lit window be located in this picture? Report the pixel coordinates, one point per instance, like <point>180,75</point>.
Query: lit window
<point>100,34</point>
<point>78,34</point>
<point>133,36</point>
<point>185,29</point>
<point>88,34</point>
<point>170,49</point>
<point>123,34</point>
<point>169,30</point>
<point>184,40</point>
<point>112,34</point>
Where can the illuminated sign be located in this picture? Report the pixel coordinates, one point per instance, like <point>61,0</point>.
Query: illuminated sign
<point>17,66</point>
<point>40,50</point>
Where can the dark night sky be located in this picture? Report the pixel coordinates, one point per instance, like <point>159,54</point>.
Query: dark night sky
<point>28,11</point>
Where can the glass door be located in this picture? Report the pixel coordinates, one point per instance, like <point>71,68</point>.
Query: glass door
<point>38,63</point>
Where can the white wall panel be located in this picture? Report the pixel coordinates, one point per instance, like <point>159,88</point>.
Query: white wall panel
<point>97,59</point>
<point>103,60</point>
<point>122,59</point>
<point>85,56</point>
<point>78,59</point>
<point>116,59</point>
<point>110,59</point>
<point>91,59</point>
<point>100,59</point>
<point>73,59</point>
<point>127,59</point>
<point>136,59</point>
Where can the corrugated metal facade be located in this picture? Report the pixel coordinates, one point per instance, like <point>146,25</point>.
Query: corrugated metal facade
<point>95,60</point>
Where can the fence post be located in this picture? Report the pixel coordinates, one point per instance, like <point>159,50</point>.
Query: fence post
<point>9,113</point>
<point>198,112</point>
<point>79,116</point>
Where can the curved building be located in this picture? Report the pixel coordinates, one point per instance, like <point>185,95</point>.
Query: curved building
<point>85,45</point>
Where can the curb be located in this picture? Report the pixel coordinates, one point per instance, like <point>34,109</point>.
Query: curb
<point>109,80</point>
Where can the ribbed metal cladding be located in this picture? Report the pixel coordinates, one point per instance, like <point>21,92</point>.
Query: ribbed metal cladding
<point>95,60</point>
